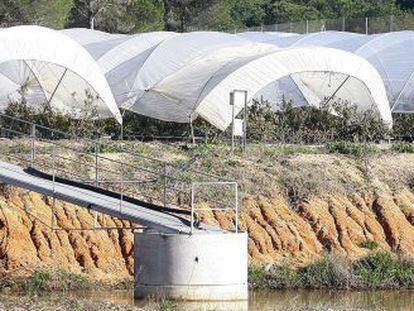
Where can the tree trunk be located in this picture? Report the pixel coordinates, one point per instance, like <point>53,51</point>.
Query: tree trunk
<point>169,16</point>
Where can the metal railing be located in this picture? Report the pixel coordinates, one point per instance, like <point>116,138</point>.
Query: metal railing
<point>364,25</point>
<point>79,159</point>
<point>222,209</point>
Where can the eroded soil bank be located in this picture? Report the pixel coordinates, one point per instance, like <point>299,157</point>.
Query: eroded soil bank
<point>296,208</point>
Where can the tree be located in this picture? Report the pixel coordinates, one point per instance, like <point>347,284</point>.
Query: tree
<point>406,4</point>
<point>48,13</point>
<point>248,12</point>
<point>287,10</point>
<point>105,15</point>
<point>145,15</point>
<point>117,16</point>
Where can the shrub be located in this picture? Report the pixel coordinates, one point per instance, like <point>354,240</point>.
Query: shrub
<point>357,150</point>
<point>257,276</point>
<point>371,245</point>
<point>403,147</point>
<point>329,272</point>
<point>38,280</point>
<point>382,270</point>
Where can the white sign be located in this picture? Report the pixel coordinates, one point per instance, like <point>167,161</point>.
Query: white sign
<point>239,99</point>
<point>238,127</point>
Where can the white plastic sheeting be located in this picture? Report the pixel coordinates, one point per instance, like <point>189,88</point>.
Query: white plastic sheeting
<point>136,67</point>
<point>392,54</point>
<point>54,69</point>
<point>253,75</point>
<point>265,37</point>
<point>86,36</point>
<point>178,77</point>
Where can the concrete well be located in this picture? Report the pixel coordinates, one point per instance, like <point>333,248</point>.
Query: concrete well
<point>203,266</point>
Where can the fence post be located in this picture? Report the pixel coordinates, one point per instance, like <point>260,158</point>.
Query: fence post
<point>122,187</point>
<point>391,23</point>
<point>33,141</point>
<point>192,207</point>
<point>343,23</point>
<point>96,164</point>
<point>165,184</point>
<point>237,208</point>
<point>307,27</point>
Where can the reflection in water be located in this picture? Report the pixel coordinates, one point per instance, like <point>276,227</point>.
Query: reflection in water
<point>282,300</point>
<point>332,300</point>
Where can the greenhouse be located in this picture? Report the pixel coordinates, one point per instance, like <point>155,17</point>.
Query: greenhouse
<point>44,66</point>
<point>179,77</point>
<point>392,54</point>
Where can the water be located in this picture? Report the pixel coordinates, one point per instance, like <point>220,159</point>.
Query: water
<point>283,300</point>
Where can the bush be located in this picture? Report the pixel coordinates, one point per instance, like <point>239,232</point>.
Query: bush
<point>378,270</point>
<point>38,280</point>
<point>371,245</point>
<point>329,272</point>
<point>384,271</point>
<point>357,150</point>
<point>257,276</point>
<point>403,147</point>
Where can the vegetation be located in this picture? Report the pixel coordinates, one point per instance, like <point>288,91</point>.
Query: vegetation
<point>379,270</point>
<point>50,280</point>
<point>52,302</point>
<point>287,125</point>
<point>403,147</point>
<point>355,149</point>
<point>144,15</point>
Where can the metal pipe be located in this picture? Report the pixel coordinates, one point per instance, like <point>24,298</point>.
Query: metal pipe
<point>33,141</point>
<point>165,185</point>
<point>96,165</point>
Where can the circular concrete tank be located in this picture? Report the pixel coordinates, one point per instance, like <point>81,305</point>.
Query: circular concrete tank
<point>204,266</point>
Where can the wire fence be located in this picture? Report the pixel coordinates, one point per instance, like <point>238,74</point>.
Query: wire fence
<point>364,25</point>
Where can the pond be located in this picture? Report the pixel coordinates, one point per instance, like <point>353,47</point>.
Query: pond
<point>283,300</point>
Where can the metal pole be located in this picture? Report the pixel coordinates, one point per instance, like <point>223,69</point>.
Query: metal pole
<point>122,131</point>
<point>307,26</point>
<point>33,141</point>
<point>95,220</point>
<point>337,90</point>
<point>237,208</point>
<point>122,187</point>
<point>96,164</point>
<point>232,120</point>
<point>192,130</point>
<point>54,186</point>
<point>165,184</point>
<point>245,122</point>
<point>57,86</point>
<point>343,23</point>
<point>366,26</point>
<point>391,23</point>
<point>192,207</point>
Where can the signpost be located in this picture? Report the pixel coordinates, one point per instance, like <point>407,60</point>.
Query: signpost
<point>238,101</point>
